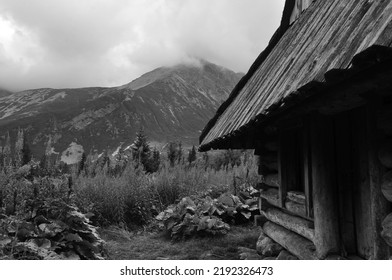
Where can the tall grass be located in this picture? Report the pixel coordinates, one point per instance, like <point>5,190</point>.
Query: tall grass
<point>134,197</point>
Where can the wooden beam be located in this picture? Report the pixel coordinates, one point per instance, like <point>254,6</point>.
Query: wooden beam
<point>379,205</point>
<point>292,242</point>
<point>324,186</point>
<point>271,195</point>
<point>298,225</point>
<point>272,180</point>
<point>295,208</point>
<point>307,163</point>
<point>297,197</point>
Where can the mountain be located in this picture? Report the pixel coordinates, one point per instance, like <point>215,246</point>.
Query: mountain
<point>169,103</point>
<point>4,92</point>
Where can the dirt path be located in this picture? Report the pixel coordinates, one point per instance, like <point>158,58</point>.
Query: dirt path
<point>124,245</point>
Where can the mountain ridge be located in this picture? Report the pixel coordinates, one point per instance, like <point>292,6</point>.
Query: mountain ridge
<point>170,103</point>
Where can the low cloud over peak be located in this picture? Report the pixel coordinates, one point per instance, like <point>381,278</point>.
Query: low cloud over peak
<point>72,43</point>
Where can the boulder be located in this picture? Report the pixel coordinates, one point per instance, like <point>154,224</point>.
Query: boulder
<point>263,243</point>
<point>387,229</point>
<point>272,250</point>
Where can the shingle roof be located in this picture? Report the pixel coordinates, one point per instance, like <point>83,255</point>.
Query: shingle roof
<point>326,36</point>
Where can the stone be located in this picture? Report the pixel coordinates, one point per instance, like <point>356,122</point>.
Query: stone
<point>272,250</point>
<point>386,187</point>
<point>387,229</point>
<point>285,255</point>
<point>262,244</point>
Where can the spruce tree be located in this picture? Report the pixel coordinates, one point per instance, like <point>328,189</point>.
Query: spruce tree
<point>179,152</point>
<point>19,148</point>
<point>172,153</point>
<point>192,155</point>
<point>142,148</point>
<point>7,156</point>
<point>82,163</point>
<point>26,152</point>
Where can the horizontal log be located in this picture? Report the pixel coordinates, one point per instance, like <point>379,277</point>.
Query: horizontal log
<point>387,230</point>
<point>271,195</point>
<point>292,242</point>
<point>386,186</point>
<point>385,154</point>
<point>272,180</point>
<point>297,197</point>
<point>298,225</point>
<point>295,208</point>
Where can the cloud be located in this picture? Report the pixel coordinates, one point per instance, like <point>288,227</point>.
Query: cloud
<point>73,43</point>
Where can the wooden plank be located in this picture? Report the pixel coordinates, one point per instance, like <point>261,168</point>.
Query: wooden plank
<point>295,208</point>
<point>297,245</point>
<point>307,164</point>
<point>345,182</point>
<point>298,225</point>
<point>297,197</point>
<point>324,186</point>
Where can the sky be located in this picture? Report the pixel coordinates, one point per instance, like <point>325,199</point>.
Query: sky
<point>83,43</point>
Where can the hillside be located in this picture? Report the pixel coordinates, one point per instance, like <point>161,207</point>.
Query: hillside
<point>170,103</point>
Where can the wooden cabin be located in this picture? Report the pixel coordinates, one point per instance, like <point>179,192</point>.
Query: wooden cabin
<point>316,106</point>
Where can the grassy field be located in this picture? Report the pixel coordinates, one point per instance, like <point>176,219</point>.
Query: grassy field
<point>125,245</point>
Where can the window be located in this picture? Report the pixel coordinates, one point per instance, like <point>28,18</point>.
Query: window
<point>294,170</point>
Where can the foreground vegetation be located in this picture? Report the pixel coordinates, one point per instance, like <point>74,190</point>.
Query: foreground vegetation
<point>126,191</point>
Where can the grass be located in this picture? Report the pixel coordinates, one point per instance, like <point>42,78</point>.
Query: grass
<point>124,245</point>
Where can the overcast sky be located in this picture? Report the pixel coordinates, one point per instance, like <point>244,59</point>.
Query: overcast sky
<point>80,43</point>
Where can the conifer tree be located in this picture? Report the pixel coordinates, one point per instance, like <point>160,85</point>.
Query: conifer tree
<point>26,152</point>
<point>142,148</point>
<point>179,152</point>
<point>7,156</point>
<point>172,153</point>
<point>155,161</point>
<point>18,148</point>
<point>82,163</point>
<point>192,155</point>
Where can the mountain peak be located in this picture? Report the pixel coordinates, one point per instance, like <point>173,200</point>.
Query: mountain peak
<point>193,67</point>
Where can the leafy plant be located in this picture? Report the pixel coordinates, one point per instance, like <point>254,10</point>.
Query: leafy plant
<point>54,230</point>
<point>207,216</point>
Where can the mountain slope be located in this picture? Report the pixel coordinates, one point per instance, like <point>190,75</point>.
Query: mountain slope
<point>170,103</point>
<point>4,92</point>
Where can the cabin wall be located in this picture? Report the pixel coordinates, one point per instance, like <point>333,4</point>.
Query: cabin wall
<point>283,203</point>
<point>344,207</point>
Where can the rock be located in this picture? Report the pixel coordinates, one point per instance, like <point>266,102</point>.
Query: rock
<point>262,244</point>
<point>272,250</point>
<point>248,254</point>
<point>387,229</point>
<point>386,186</point>
<point>269,259</point>
<point>285,255</point>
